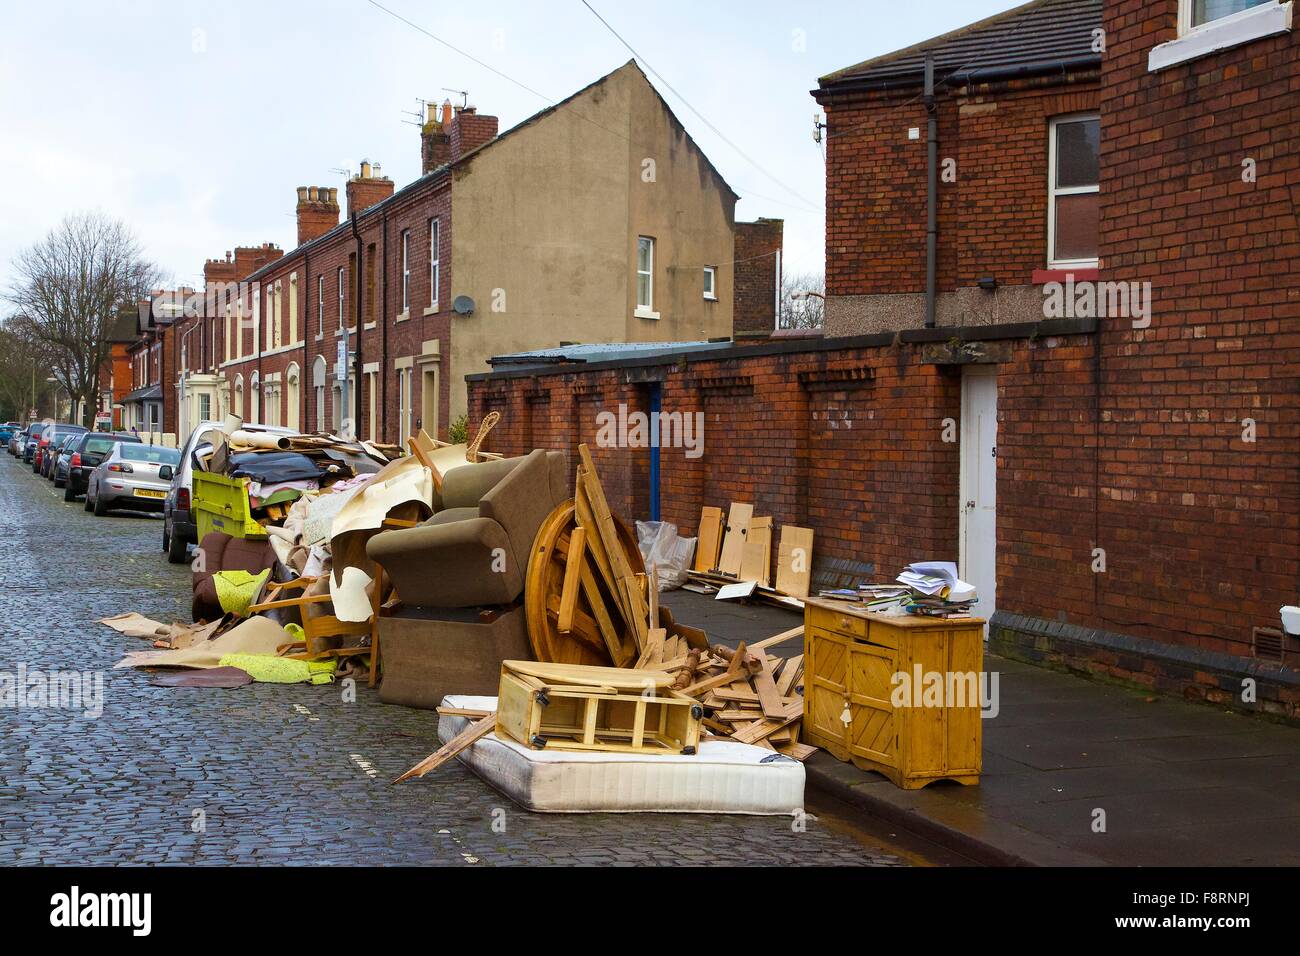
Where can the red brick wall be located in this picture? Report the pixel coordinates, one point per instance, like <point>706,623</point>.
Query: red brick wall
<point>992,218</point>
<point>757,246</point>
<point>847,441</point>
<point>469,130</point>
<point>1202,529</point>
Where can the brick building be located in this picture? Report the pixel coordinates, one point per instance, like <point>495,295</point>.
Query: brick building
<point>598,219</point>
<point>1117,474</point>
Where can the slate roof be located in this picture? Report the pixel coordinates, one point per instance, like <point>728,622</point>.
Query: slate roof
<point>1039,37</point>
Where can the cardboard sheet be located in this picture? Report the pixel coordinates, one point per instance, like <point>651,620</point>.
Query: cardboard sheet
<point>257,635</point>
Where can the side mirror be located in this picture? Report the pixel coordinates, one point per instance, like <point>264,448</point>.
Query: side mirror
<point>165,473</point>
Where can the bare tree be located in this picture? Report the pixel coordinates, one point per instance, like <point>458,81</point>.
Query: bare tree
<point>23,361</point>
<point>803,300</point>
<point>70,286</point>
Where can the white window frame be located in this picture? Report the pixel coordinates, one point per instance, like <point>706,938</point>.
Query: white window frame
<point>320,306</point>
<point>645,310</point>
<point>1244,26</point>
<point>711,283</point>
<point>343,284</point>
<point>406,271</point>
<point>435,236</point>
<point>1187,10</point>
<point>1053,192</point>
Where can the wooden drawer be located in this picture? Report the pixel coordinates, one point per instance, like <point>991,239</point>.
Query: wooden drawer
<point>850,625</point>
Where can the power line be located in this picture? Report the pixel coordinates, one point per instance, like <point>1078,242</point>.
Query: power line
<point>455,49</point>
<point>703,119</point>
<point>578,113</point>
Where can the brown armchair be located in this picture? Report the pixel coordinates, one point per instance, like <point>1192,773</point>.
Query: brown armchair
<point>474,551</point>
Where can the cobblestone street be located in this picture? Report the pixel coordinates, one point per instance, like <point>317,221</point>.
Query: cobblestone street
<point>276,774</point>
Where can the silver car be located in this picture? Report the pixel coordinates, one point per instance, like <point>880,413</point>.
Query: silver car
<point>134,477</point>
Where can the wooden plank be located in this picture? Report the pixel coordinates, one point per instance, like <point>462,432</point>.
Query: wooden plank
<point>764,729</point>
<point>768,697</point>
<point>461,741</point>
<point>654,597</point>
<point>778,639</point>
<point>756,558</point>
<point>790,674</point>
<point>619,650</point>
<point>572,578</point>
<point>794,561</point>
<point>582,627</point>
<point>710,539</point>
<point>733,545</point>
<point>638,615</point>
<point>800,752</point>
<point>652,654</point>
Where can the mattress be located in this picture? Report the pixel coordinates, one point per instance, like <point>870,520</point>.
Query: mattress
<point>723,777</point>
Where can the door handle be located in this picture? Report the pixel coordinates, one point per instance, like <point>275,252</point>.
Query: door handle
<point>970,505</point>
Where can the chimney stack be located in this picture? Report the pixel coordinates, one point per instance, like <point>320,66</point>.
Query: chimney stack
<point>469,131</point>
<point>435,139</point>
<point>367,189</point>
<point>318,211</point>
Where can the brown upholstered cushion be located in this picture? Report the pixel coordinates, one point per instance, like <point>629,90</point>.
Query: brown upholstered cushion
<point>449,565</point>
<point>463,487</point>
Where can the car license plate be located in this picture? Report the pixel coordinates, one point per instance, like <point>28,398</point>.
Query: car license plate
<point>146,493</point>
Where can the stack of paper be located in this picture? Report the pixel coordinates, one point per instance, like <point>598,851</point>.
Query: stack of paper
<point>937,579</point>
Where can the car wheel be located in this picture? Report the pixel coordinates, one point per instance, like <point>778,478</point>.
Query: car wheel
<point>69,493</point>
<point>177,551</point>
<point>101,507</point>
<point>59,482</point>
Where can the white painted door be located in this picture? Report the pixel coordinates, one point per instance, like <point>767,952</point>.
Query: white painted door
<point>979,485</point>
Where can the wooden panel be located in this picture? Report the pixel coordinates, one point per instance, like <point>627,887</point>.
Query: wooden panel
<point>826,690</point>
<point>965,726</point>
<point>733,545</point>
<point>710,539</point>
<point>756,558</point>
<point>794,561</point>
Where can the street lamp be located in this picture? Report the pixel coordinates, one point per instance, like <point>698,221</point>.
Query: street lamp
<point>61,387</point>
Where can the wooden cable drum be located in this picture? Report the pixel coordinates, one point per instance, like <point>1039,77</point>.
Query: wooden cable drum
<point>545,584</point>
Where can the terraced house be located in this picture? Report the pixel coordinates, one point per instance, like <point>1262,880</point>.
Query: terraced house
<point>597,219</point>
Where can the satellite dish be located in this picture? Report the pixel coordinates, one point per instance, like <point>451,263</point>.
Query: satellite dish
<point>463,305</point>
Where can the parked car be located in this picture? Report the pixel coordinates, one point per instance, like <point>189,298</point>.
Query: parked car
<point>8,430</point>
<point>52,436</point>
<point>87,454</point>
<point>33,436</point>
<point>58,460</point>
<point>180,529</point>
<point>16,442</point>
<point>133,476</point>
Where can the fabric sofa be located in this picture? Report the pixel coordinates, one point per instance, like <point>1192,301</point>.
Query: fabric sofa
<point>474,551</point>
<point>221,552</point>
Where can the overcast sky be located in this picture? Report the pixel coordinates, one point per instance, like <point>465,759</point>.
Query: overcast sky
<point>195,120</point>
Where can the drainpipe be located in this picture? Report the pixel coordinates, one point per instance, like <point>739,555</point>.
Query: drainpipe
<point>382,318</point>
<point>360,269</point>
<point>932,197</point>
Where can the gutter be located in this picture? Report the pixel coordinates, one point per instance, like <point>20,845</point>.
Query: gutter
<point>347,338</point>
<point>910,80</point>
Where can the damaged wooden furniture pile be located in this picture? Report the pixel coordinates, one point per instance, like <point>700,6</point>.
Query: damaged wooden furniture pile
<point>589,600</point>
<point>733,558</point>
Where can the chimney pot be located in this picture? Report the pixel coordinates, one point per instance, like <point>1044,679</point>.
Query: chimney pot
<point>313,193</point>
<point>365,169</point>
<point>302,194</point>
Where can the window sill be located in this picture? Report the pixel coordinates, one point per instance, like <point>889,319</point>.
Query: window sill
<point>1058,274</point>
<point>369,325</point>
<point>432,310</point>
<point>1245,27</point>
<point>643,313</point>
<point>710,298</point>
<point>404,316</point>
